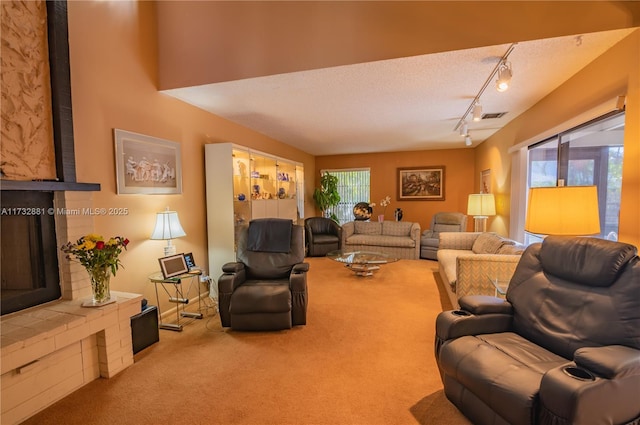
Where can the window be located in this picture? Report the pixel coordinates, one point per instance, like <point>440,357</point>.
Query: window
<point>353,186</point>
<point>587,155</point>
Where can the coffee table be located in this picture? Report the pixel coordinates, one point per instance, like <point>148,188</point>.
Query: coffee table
<point>362,263</point>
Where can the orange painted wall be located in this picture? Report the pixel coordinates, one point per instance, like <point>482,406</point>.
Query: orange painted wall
<point>299,35</point>
<point>113,57</point>
<point>459,179</point>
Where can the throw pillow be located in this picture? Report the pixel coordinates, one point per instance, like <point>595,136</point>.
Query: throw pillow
<point>487,243</point>
<point>511,249</point>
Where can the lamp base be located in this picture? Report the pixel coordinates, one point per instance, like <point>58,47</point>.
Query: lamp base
<point>169,250</point>
<point>480,223</point>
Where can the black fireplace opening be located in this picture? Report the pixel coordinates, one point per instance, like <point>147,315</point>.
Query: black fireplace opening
<point>28,256</point>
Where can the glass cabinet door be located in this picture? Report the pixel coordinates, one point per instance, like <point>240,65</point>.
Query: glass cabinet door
<point>241,189</point>
<point>263,178</point>
<point>286,180</point>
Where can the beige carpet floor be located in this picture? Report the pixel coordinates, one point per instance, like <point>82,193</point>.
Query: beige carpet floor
<point>364,357</point>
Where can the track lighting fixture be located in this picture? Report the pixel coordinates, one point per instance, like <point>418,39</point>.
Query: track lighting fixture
<point>467,140</point>
<point>464,129</point>
<point>504,76</point>
<point>477,112</point>
<point>504,72</point>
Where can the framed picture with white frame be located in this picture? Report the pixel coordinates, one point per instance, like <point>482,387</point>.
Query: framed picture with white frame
<point>147,165</point>
<point>485,181</point>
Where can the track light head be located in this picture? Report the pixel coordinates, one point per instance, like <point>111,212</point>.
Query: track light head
<point>503,70</point>
<point>477,112</point>
<point>464,129</point>
<point>467,140</point>
<point>504,76</point>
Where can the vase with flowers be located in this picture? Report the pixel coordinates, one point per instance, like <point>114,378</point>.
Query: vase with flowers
<point>101,260</point>
<point>383,203</point>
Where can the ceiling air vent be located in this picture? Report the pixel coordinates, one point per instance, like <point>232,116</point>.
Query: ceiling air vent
<point>493,115</point>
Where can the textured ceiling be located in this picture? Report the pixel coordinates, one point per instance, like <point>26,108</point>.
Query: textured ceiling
<point>403,104</point>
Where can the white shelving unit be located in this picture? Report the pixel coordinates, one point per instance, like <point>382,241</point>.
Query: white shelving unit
<point>243,184</point>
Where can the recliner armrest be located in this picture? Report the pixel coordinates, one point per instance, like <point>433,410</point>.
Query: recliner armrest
<point>234,275</point>
<point>300,268</point>
<point>485,304</point>
<point>601,376</point>
<point>429,234</point>
<point>298,278</point>
<point>613,361</point>
<point>456,323</point>
<point>232,267</point>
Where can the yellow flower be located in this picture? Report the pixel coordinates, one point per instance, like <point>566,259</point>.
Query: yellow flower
<point>93,253</point>
<point>93,237</point>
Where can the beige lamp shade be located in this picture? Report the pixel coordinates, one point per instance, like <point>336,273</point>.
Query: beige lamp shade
<point>481,205</point>
<point>563,210</point>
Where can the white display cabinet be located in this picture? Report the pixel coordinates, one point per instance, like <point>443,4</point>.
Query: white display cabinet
<point>242,185</point>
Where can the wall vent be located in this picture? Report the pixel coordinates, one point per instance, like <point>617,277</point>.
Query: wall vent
<point>493,115</point>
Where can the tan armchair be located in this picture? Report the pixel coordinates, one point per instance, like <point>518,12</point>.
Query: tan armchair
<point>441,222</point>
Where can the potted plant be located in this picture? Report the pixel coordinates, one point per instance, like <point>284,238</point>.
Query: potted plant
<point>327,196</point>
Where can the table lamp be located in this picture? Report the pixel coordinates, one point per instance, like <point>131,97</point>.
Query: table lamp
<point>168,227</point>
<point>563,210</point>
<point>480,206</point>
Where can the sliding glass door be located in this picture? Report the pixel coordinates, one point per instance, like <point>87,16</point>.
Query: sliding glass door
<point>588,155</point>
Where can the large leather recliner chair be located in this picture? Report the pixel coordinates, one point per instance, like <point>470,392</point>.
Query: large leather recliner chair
<point>266,288</point>
<point>323,236</point>
<point>563,348</point>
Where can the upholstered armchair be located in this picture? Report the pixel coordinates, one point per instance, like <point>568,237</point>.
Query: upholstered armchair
<point>563,348</point>
<point>323,235</point>
<point>266,288</point>
<point>441,222</point>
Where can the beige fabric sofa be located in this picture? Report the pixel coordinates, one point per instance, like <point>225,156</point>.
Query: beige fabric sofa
<point>396,238</point>
<point>467,262</point>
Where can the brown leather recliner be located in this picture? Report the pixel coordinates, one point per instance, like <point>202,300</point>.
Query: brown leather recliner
<point>266,289</point>
<point>323,235</point>
<point>563,348</point>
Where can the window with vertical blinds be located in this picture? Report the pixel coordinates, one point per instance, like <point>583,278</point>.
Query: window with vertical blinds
<point>354,187</point>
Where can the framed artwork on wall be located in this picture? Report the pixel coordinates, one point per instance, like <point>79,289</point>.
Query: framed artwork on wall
<point>421,183</point>
<point>485,181</point>
<point>147,165</point>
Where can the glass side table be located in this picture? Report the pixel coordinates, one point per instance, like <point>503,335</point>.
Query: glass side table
<point>180,296</point>
<point>500,285</point>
